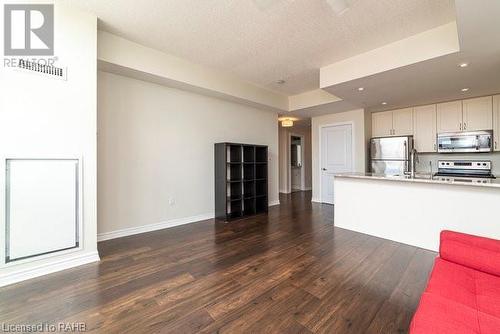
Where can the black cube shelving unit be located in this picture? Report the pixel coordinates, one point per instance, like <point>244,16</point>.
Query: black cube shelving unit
<point>240,180</point>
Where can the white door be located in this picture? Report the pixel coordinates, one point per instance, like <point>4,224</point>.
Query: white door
<point>382,124</point>
<point>478,114</point>
<point>424,118</point>
<point>336,157</point>
<point>449,116</point>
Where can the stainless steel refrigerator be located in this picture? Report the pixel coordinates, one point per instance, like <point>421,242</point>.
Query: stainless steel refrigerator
<point>390,155</point>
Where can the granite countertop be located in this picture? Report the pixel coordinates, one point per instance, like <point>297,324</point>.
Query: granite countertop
<point>422,178</point>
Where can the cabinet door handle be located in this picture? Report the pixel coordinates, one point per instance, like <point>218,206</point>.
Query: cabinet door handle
<point>434,147</point>
<point>460,126</point>
<point>465,126</point>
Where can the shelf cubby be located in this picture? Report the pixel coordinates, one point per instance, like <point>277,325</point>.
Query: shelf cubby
<point>235,209</point>
<point>248,172</point>
<point>260,187</point>
<point>248,153</point>
<point>261,171</point>
<point>233,190</point>
<point>261,154</point>
<point>261,204</point>
<point>249,189</point>
<point>249,206</point>
<point>233,153</point>
<point>234,172</point>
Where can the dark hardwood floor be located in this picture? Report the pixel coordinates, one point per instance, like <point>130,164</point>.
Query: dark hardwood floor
<point>289,272</point>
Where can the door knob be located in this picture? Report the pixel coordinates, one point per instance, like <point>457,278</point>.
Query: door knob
<point>323,168</point>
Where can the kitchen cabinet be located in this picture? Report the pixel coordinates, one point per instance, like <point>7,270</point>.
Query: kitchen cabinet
<point>382,124</point>
<point>392,123</point>
<point>496,122</point>
<point>425,128</point>
<point>449,116</point>
<point>402,122</point>
<point>477,114</point>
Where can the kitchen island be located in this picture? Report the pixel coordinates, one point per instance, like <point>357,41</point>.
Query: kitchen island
<point>414,210</point>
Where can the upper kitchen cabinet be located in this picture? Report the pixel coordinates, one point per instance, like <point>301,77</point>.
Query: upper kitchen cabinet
<point>449,116</point>
<point>424,127</point>
<point>496,122</point>
<point>402,122</point>
<point>477,114</point>
<point>382,124</point>
<point>392,123</point>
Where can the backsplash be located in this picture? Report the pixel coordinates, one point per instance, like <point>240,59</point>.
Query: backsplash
<point>425,158</point>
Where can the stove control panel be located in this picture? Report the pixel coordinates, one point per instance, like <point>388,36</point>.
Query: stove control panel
<point>464,164</point>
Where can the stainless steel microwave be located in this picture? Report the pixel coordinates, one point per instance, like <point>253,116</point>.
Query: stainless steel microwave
<point>465,142</point>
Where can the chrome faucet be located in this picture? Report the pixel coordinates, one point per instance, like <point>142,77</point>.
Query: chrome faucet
<point>413,161</point>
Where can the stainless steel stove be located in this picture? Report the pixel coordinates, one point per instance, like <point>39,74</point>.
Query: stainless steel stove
<point>474,171</point>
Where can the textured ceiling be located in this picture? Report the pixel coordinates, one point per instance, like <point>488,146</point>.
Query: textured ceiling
<point>282,39</point>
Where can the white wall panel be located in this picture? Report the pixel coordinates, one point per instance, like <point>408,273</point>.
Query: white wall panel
<point>42,207</point>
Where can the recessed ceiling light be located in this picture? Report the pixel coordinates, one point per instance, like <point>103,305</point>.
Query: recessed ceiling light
<point>280,82</point>
<point>464,64</point>
<point>338,6</point>
<point>361,89</point>
<point>384,103</point>
<point>465,89</point>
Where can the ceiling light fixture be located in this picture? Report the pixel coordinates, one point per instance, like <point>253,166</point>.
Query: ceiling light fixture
<point>464,64</point>
<point>465,89</point>
<point>338,6</point>
<point>361,89</point>
<point>287,123</point>
<point>384,103</point>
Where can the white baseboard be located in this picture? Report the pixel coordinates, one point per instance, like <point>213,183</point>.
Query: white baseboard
<point>273,203</point>
<point>48,268</point>
<point>316,200</point>
<point>159,226</point>
<point>152,227</point>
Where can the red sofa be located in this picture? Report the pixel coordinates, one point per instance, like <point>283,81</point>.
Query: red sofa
<point>463,292</point>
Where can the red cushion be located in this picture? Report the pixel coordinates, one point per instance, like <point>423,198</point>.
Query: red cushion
<point>471,251</point>
<point>488,294</point>
<point>458,299</point>
<point>453,281</point>
<point>438,315</point>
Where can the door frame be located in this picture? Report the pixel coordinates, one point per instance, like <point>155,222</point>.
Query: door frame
<point>353,145</point>
<point>289,161</point>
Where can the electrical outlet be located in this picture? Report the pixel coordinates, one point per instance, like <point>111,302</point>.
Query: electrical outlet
<point>171,201</point>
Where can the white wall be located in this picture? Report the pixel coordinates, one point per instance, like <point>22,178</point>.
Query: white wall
<point>42,117</point>
<point>284,156</point>
<point>359,133</point>
<point>156,144</point>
